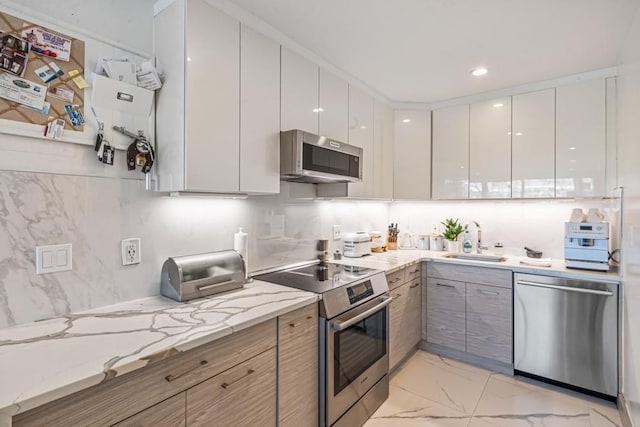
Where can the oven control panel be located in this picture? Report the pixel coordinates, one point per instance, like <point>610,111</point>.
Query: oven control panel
<point>360,291</point>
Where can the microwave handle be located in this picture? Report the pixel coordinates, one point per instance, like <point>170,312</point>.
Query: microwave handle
<point>339,326</point>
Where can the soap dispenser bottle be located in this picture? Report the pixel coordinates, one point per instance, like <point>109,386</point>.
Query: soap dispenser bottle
<point>466,245</point>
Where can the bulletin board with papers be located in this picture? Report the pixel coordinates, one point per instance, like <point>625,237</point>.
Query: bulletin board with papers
<point>41,75</point>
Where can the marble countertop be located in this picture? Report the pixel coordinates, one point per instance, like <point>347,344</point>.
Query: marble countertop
<point>391,261</point>
<point>46,360</point>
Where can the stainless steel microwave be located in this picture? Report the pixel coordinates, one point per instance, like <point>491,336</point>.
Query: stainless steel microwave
<point>305,157</point>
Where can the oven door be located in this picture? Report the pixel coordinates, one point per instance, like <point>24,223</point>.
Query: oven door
<point>357,354</point>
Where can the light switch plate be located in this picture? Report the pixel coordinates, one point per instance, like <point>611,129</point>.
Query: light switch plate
<point>53,258</point>
<point>337,232</point>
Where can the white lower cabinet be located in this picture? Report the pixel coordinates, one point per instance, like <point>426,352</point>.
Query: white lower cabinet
<point>412,155</point>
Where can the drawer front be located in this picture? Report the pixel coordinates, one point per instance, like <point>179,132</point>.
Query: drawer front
<point>412,272</point>
<point>298,380</point>
<point>446,313</point>
<point>489,322</point>
<point>467,273</point>
<point>244,395</point>
<point>395,279</point>
<point>298,323</point>
<point>168,413</point>
<point>396,311</point>
<point>122,397</point>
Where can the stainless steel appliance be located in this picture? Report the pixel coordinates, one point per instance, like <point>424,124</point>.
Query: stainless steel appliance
<point>305,157</point>
<point>586,245</point>
<point>567,331</point>
<point>195,276</point>
<point>356,245</point>
<point>354,337</point>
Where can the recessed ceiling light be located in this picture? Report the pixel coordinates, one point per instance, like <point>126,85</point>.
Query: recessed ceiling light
<point>363,127</point>
<point>480,71</point>
<point>518,133</point>
<point>188,59</point>
<point>498,105</point>
<point>508,133</point>
<point>572,148</point>
<point>318,110</point>
<point>406,120</point>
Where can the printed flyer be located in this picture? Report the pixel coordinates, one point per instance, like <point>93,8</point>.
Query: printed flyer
<point>47,43</point>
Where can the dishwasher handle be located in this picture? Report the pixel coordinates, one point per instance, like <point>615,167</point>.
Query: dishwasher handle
<point>565,288</point>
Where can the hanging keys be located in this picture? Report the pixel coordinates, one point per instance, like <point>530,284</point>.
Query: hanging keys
<point>140,152</point>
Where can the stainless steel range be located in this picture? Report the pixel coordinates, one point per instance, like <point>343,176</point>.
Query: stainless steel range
<point>354,337</point>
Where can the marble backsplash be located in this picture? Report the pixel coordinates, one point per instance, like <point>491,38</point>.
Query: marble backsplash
<point>95,214</point>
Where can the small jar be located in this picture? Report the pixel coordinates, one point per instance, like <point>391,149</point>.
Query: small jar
<point>498,249</point>
<point>377,241</point>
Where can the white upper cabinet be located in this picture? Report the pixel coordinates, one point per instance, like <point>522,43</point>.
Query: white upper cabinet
<point>450,163</point>
<point>383,141</point>
<point>580,139</point>
<point>412,155</point>
<point>490,149</point>
<point>299,96</point>
<point>259,113</point>
<point>533,144</point>
<point>213,122</point>
<point>217,132</point>
<point>361,135</point>
<point>333,106</point>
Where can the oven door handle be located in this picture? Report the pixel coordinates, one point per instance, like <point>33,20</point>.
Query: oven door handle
<point>339,326</point>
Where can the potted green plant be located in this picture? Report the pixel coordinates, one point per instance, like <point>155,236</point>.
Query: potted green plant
<point>452,229</point>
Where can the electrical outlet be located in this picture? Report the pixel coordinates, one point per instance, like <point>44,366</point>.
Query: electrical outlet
<point>337,232</point>
<point>131,251</point>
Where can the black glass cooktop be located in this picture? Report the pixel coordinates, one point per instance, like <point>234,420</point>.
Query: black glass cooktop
<point>318,278</point>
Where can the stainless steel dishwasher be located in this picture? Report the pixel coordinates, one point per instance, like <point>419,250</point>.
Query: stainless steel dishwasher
<point>567,331</point>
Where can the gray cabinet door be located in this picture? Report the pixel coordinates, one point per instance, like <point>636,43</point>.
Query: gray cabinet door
<point>490,322</point>
<point>446,313</point>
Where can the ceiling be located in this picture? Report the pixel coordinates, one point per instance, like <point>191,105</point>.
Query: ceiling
<point>423,50</point>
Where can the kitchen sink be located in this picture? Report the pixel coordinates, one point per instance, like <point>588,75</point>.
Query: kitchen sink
<point>475,257</point>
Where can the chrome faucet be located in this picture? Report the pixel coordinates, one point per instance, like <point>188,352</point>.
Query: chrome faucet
<point>479,246</point>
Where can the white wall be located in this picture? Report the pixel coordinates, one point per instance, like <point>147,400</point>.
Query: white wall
<point>538,224</point>
<point>629,176</point>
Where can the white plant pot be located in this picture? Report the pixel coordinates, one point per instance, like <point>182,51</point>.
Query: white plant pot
<point>452,245</point>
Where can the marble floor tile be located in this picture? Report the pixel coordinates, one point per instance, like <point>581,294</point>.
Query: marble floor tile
<point>605,416</point>
<point>407,409</point>
<point>444,381</point>
<point>429,390</point>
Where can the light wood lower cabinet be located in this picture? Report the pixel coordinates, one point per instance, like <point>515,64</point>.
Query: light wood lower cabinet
<point>446,313</point>
<point>244,395</point>
<point>122,397</point>
<point>298,368</point>
<point>404,321</point>
<point>489,325</point>
<point>475,317</point>
<point>168,413</point>
<point>229,382</point>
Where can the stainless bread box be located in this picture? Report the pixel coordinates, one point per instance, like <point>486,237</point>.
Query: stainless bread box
<point>195,276</point>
